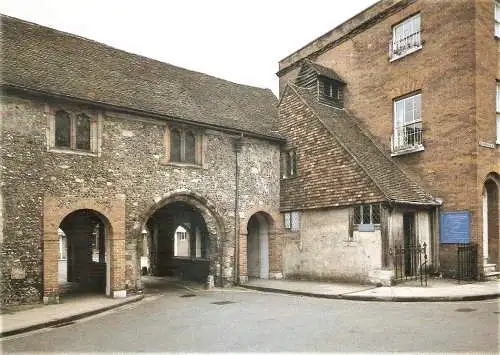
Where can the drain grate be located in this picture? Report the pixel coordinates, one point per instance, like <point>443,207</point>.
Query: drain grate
<point>188,295</point>
<point>466,309</point>
<point>62,325</point>
<point>221,303</point>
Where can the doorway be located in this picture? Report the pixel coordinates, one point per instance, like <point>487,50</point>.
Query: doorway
<point>258,247</point>
<point>410,243</point>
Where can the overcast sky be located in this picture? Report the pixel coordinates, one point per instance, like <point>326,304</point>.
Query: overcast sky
<point>241,41</point>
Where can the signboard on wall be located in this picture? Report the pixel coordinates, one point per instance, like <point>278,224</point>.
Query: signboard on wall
<point>454,227</point>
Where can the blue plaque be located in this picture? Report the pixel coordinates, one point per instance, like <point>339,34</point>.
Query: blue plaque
<point>454,227</point>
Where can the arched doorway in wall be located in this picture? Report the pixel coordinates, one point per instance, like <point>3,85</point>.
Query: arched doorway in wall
<point>182,238</point>
<point>258,246</point>
<point>491,233</point>
<point>83,261</point>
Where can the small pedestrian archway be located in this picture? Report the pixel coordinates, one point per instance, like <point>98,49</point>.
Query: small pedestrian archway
<point>83,256</point>
<point>491,215</point>
<point>258,246</point>
<point>182,238</point>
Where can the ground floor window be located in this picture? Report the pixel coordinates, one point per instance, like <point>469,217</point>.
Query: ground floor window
<point>292,221</point>
<point>367,214</point>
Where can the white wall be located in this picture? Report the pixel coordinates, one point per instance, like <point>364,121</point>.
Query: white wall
<point>322,250</point>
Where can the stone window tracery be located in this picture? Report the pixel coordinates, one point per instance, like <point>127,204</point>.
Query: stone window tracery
<point>72,132</point>
<point>183,145</point>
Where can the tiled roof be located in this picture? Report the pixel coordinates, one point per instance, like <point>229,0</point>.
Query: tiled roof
<point>324,71</point>
<point>389,177</point>
<point>50,61</point>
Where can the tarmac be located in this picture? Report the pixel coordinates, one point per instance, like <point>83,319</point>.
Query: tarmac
<point>25,318</point>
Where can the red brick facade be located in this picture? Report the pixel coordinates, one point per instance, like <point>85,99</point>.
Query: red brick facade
<point>455,71</point>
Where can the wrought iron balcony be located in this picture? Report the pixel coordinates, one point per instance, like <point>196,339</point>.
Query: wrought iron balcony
<point>407,138</point>
<point>403,46</point>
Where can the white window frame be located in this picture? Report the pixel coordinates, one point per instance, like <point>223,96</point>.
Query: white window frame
<point>403,142</point>
<point>405,37</point>
<point>291,221</point>
<point>498,112</point>
<point>289,164</point>
<point>497,18</point>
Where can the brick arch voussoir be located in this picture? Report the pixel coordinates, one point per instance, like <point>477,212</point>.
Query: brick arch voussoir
<point>112,214</point>
<point>200,203</point>
<point>271,214</point>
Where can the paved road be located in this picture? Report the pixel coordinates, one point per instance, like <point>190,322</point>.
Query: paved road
<point>254,321</point>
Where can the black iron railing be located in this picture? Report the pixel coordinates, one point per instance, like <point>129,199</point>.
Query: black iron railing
<point>401,46</point>
<point>410,262</point>
<point>466,262</point>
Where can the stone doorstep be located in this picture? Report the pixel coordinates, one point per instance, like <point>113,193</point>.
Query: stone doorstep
<point>381,277</point>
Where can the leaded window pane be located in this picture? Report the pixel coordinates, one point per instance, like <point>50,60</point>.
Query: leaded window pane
<point>175,146</point>
<point>63,130</point>
<point>190,148</point>
<point>295,221</point>
<point>366,214</point>
<point>82,134</point>
<point>357,215</point>
<point>287,220</point>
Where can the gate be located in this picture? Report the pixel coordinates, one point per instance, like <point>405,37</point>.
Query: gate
<point>410,262</point>
<point>466,262</point>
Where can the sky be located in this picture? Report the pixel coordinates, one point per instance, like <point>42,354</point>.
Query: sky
<point>240,41</point>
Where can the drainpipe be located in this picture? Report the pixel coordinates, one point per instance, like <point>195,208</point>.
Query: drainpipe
<point>237,149</point>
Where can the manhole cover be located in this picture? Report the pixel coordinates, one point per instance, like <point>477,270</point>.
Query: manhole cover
<point>188,295</point>
<point>466,309</point>
<point>221,303</point>
<point>62,325</point>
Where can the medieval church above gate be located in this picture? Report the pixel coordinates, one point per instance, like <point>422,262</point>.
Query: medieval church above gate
<point>107,155</point>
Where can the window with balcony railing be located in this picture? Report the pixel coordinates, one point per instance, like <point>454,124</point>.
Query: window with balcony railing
<point>498,113</point>
<point>405,38</point>
<point>408,131</point>
<point>497,18</point>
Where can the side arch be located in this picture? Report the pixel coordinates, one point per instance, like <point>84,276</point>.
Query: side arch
<point>271,217</point>
<point>113,215</point>
<point>491,218</point>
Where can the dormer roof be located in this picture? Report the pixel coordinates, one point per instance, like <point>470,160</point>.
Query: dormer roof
<point>323,71</point>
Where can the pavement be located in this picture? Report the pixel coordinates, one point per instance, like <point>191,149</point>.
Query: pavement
<point>437,290</point>
<point>25,318</point>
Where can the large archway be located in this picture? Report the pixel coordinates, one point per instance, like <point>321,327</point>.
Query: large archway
<point>491,234</point>
<point>82,264</point>
<point>182,237</point>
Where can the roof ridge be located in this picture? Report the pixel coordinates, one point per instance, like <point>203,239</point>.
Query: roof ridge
<point>32,56</point>
<point>293,87</point>
<point>73,35</point>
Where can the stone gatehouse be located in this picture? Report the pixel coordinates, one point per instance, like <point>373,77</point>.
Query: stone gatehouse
<point>116,152</point>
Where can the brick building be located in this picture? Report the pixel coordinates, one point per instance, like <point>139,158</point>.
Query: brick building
<point>116,152</point>
<point>393,130</point>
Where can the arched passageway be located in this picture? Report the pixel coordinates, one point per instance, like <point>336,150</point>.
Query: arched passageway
<point>258,246</point>
<point>82,252</point>
<point>177,242</point>
<point>491,234</point>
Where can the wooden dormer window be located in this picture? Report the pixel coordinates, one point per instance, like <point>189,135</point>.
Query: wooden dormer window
<point>330,92</point>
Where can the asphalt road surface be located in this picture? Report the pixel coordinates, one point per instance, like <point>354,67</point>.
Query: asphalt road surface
<point>246,321</point>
